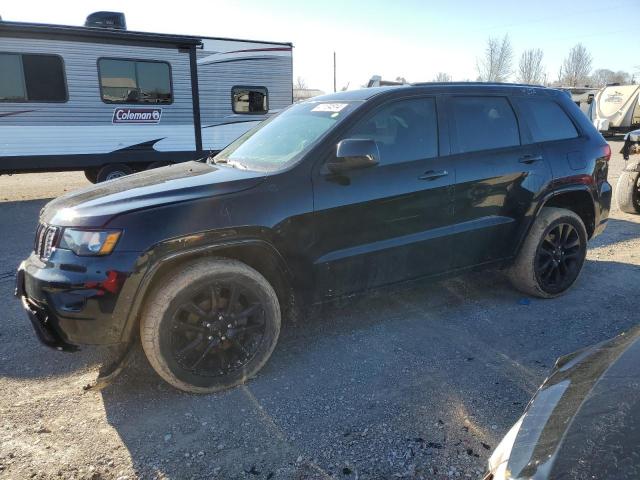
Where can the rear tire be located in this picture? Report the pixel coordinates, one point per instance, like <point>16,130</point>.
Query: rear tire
<point>200,336</point>
<point>113,171</point>
<point>552,255</point>
<point>628,192</point>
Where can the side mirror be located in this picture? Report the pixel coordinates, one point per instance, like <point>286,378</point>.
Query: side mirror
<point>353,154</point>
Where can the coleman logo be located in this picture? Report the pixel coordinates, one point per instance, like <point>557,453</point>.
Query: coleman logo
<point>137,115</point>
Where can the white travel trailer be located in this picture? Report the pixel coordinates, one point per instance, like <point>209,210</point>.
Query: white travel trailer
<point>616,108</point>
<point>109,101</point>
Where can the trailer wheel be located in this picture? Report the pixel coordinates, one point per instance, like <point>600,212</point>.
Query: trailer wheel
<point>113,171</point>
<point>91,174</point>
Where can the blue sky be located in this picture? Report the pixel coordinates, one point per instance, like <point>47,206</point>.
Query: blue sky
<point>414,39</point>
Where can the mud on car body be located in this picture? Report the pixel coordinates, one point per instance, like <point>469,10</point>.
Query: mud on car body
<point>339,194</point>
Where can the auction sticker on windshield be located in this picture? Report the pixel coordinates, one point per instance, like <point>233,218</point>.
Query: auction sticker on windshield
<point>329,107</point>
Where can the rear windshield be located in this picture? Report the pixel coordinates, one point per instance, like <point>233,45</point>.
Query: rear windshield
<point>282,140</point>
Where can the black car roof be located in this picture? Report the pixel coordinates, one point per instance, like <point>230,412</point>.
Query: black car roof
<point>449,87</point>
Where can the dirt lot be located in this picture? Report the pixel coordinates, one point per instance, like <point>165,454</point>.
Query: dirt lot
<point>419,381</point>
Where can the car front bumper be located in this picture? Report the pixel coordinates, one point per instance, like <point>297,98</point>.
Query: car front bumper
<point>73,300</point>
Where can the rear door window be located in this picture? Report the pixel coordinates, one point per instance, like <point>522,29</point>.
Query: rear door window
<point>483,123</point>
<point>404,130</point>
<point>547,120</point>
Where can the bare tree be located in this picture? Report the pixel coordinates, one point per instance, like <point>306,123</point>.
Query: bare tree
<point>495,66</point>
<point>300,83</point>
<point>604,76</point>
<point>530,69</point>
<point>401,80</point>
<point>601,77</point>
<point>442,77</point>
<point>576,66</point>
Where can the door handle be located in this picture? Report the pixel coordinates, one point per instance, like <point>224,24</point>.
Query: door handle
<point>433,174</point>
<point>529,159</point>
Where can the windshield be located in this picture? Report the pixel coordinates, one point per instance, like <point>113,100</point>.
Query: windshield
<point>281,140</point>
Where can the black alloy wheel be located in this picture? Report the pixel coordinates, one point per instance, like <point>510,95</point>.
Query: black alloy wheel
<point>559,258</point>
<point>217,330</point>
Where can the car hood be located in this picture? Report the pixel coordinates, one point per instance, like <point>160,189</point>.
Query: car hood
<point>96,205</point>
<point>584,421</point>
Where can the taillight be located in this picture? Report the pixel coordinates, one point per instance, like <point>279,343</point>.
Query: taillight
<point>606,153</point>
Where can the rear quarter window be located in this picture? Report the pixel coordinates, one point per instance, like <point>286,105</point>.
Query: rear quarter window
<point>546,119</point>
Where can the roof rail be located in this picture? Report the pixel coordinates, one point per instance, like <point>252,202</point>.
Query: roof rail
<point>497,84</point>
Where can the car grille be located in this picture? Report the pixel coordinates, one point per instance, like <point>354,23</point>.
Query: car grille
<point>46,237</point>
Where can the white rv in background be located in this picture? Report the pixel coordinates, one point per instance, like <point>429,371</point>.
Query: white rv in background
<point>616,108</point>
<point>109,101</point>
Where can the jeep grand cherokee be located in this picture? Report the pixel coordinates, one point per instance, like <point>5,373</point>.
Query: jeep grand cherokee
<point>335,195</point>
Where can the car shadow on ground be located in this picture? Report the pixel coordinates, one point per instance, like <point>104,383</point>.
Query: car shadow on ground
<point>617,231</point>
<point>375,371</point>
<point>422,360</point>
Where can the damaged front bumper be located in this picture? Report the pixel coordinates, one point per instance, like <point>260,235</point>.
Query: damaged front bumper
<point>41,319</point>
<point>72,300</point>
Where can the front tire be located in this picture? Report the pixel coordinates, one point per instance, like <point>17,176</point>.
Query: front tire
<point>552,255</point>
<point>628,192</point>
<point>210,325</point>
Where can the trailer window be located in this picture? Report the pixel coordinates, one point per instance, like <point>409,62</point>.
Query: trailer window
<point>250,100</point>
<point>32,78</point>
<point>134,81</point>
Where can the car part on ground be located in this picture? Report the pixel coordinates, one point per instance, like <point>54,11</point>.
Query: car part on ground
<point>362,189</point>
<point>121,355</point>
<point>584,420</point>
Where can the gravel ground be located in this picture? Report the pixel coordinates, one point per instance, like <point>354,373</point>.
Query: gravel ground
<point>419,381</point>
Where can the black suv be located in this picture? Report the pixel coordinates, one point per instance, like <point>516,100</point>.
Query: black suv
<point>334,195</point>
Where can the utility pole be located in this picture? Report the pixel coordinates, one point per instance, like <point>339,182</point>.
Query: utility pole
<point>334,72</point>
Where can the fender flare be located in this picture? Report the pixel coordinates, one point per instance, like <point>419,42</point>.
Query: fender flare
<point>153,266</point>
<point>535,208</point>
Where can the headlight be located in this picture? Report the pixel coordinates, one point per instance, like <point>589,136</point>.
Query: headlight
<point>89,242</point>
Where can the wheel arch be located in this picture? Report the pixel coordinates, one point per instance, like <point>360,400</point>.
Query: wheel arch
<point>257,253</point>
<point>577,198</point>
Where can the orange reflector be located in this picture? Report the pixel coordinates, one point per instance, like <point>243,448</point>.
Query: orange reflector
<point>109,243</point>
